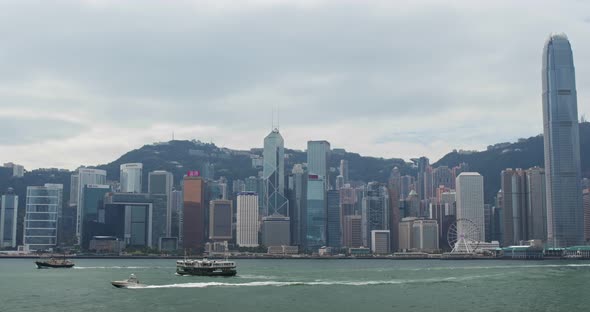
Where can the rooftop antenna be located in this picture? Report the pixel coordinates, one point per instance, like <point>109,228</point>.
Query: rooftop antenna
<point>172,135</point>
<point>272,119</point>
<point>278,117</point>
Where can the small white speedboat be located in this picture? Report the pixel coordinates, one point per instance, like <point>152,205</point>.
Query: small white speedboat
<point>132,281</point>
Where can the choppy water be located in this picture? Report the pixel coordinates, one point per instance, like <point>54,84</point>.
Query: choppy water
<point>301,285</point>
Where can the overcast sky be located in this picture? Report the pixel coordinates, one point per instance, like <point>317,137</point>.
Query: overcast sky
<point>83,82</point>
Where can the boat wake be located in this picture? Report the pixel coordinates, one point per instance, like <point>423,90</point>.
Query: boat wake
<point>504,267</point>
<point>119,267</point>
<point>249,276</point>
<point>312,283</point>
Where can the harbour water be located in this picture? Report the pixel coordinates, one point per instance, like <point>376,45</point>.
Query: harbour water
<point>301,285</point>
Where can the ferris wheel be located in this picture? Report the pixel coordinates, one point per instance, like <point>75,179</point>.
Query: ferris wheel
<point>464,236</point>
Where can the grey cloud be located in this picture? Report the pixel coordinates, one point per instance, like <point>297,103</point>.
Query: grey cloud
<point>22,131</point>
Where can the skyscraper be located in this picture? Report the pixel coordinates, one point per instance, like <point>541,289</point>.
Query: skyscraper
<point>8,217</point>
<point>515,206</point>
<point>160,183</point>
<point>93,199</point>
<point>406,185</point>
<point>247,219</point>
<point>344,170</point>
<point>334,232</point>
<point>315,224</point>
<point>273,175</point>
<point>130,178</point>
<point>442,176</point>
<point>536,204</point>
<point>565,212</point>
<point>84,177</point>
<point>317,159</point>
<point>220,220</point>
<point>470,200</point>
<point>586,202</point>
<point>43,206</point>
<point>128,216</point>
<point>193,214</point>
<point>422,163</point>
<point>375,212</point>
<point>394,215</point>
<point>425,235</point>
<point>298,204</point>
<point>352,231</point>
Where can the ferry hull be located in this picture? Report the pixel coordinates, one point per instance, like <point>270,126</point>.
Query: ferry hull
<point>44,265</point>
<point>204,272</point>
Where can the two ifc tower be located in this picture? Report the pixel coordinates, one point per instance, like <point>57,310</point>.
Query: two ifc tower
<point>565,212</point>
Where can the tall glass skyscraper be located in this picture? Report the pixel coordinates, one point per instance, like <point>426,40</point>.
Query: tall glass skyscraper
<point>565,214</point>
<point>315,224</point>
<point>317,158</point>
<point>273,175</point>
<point>43,206</point>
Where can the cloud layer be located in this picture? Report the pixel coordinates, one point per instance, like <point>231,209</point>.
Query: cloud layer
<point>82,82</point>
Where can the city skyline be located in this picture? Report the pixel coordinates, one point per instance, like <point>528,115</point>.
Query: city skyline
<point>384,96</point>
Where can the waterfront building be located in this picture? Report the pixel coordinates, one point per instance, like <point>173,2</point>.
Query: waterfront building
<point>128,216</point>
<point>8,217</point>
<point>333,219</point>
<point>394,216</point>
<point>273,175</point>
<point>405,233</point>
<point>380,242</point>
<point>298,205</point>
<point>470,203</point>
<point>220,220</point>
<point>131,177</point>
<point>375,210</point>
<point>93,200</point>
<point>488,219</point>
<point>498,234</point>
<point>247,219</point>
<point>351,231</point>
<point>565,215</point>
<point>193,213</point>
<point>425,235</point>
<point>176,220</point>
<point>276,231</point>
<point>318,153</point>
<point>159,218</point>
<point>536,204</point>
<point>315,224</point>
<point>160,183</point>
<point>83,177</point>
<point>43,204</point>
<point>514,205</point>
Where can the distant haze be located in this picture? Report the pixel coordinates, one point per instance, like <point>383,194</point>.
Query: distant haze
<point>82,82</point>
